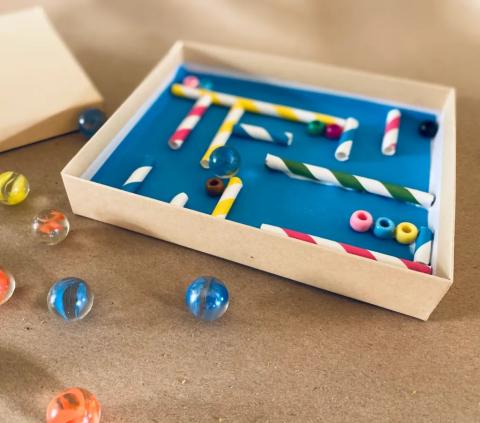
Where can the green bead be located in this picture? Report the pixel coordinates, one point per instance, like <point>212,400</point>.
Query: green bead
<point>315,127</point>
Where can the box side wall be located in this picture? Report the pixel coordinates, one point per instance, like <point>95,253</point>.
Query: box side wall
<point>442,183</point>
<point>404,291</point>
<point>418,94</point>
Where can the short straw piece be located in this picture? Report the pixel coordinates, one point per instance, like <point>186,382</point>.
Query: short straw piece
<point>228,197</point>
<point>257,106</point>
<point>180,200</point>
<point>303,171</point>
<point>260,133</point>
<point>342,153</point>
<point>223,133</point>
<point>348,249</point>
<point>135,180</point>
<point>390,137</point>
<point>188,124</point>
<point>423,246</point>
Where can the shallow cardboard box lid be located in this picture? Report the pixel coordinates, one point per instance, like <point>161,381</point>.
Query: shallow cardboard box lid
<point>42,86</point>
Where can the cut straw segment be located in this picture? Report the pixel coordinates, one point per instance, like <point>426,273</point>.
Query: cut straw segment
<point>228,198</point>
<point>323,175</point>
<point>257,106</point>
<point>347,249</point>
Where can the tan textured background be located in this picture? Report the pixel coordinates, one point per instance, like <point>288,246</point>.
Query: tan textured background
<point>283,352</point>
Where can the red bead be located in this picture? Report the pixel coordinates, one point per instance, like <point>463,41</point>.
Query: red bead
<point>333,131</point>
<point>214,187</point>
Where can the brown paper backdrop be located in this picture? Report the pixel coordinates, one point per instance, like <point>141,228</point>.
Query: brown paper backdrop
<point>284,351</point>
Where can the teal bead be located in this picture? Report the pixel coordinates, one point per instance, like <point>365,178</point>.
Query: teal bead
<point>384,228</point>
<point>315,127</point>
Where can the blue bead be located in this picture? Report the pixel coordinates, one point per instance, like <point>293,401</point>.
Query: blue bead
<point>207,298</point>
<point>90,121</point>
<point>384,228</point>
<point>224,162</point>
<point>70,298</point>
<point>206,84</point>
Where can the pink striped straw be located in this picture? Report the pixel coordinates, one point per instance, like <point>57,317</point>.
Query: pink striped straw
<point>189,122</point>
<point>390,136</point>
<point>349,249</point>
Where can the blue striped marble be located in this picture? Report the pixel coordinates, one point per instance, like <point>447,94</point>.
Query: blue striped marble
<point>70,298</point>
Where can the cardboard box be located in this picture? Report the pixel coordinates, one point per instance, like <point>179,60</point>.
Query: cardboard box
<point>43,88</point>
<point>412,293</point>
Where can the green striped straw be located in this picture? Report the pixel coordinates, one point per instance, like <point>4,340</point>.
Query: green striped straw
<point>323,175</point>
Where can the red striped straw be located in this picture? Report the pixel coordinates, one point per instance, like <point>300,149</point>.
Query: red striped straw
<point>189,122</point>
<point>349,249</point>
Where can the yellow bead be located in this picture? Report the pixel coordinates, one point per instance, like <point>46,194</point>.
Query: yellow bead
<point>406,233</point>
<point>14,188</point>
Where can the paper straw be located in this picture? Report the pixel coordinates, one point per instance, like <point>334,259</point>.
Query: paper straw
<point>423,246</point>
<point>135,180</point>
<point>179,200</point>
<point>323,175</point>
<point>390,137</point>
<point>260,133</point>
<point>256,106</point>
<point>342,153</point>
<point>348,249</point>
<point>188,124</point>
<point>228,198</point>
<point>223,133</point>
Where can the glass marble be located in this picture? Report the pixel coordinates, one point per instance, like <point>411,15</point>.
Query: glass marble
<point>7,285</point>
<point>90,121</point>
<point>224,162</point>
<point>50,226</point>
<point>207,298</point>
<point>70,298</point>
<point>75,405</point>
<point>14,188</point>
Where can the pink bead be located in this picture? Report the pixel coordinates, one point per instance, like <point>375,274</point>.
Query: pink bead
<point>333,131</point>
<point>191,81</point>
<point>361,221</point>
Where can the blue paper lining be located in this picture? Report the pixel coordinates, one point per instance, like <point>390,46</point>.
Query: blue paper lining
<point>272,197</point>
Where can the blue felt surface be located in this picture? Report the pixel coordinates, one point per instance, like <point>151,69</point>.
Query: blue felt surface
<point>272,197</point>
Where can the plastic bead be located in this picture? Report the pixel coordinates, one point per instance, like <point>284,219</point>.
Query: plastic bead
<point>361,221</point>
<point>384,228</point>
<point>214,187</point>
<point>90,121</point>
<point>406,233</point>
<point>191,81</point>
<point>333,131</point>
<point>207,298</point>
<point>315,127</point>
<point>428,128</point>
<point>224,162</point>
<point>14,188</point>
<point>206,84</point>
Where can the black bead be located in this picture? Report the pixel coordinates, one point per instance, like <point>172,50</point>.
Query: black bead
<point>428,128</point>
